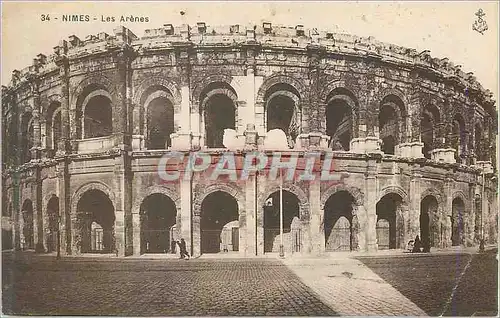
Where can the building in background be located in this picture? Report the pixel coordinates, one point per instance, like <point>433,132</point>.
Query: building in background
<point>84,130</point>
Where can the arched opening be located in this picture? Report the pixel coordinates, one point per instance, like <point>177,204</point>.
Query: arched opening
<point>11,146</point>
<point>28,239</point>
<point>340,225</point>
<point>458,138</point>
<point>53,125</point>
<point>56,130</point>
<point>391,119</point>
<point>95,223</point>
<point>282,111</point>
<point>291,223</point>
<point>158,216</point>
<point>477,218</point>
<point>160,123</point>
<point>479,148</point>
<point>429,120</point>
<point>98,121</point>
<point>390,226</point>
<point>27,137</point>
<point>53,223</point>
<point>340,119</point>
<point>219,115</point>
<point>430,227</point>
<point>219,209</point>
<point>457,222</point>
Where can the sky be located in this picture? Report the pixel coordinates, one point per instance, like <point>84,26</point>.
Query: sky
<point>444,28</point>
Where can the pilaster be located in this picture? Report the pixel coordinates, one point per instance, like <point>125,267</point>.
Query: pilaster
<point>63,63</point>
<point>186,231</point>
<point>371,205</point>
<point>415,197</point>
<point>317,238</point>
<point>250,234</point>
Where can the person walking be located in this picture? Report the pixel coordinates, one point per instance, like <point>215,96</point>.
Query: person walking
<point>182,249</point>
<point>417,245</point>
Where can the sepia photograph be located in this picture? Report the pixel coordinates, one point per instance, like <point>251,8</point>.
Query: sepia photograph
<point>251,158</point>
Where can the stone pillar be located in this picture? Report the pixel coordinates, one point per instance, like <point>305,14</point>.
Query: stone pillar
<point>120,229</point>
<point>186,213</point>
<point>259,215</point>
<point>448,211</point>
<point>64,207</point>
<point>120,101</point>
<point>63,63</point>
<point>16,230</point>
<point>186,135</point>
<point>317,245</point>
<point>414,209</point>
<point>370,205</point>
<point>36,150</point>
<point>122,207</point>
<point>39,212</point>
<point>136,228</point>
<point>251,209</point>
<point>22,238</point>
<point>75,234</point>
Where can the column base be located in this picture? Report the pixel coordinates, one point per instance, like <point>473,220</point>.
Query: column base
<point>250,137</point>
<point>185,141</point>
<point>365,145</point>
<point>444,155</point>
<point>409,150</point>
<point>138,142</point>
<point>485,166</point>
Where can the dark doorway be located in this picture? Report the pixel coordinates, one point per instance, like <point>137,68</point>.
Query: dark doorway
<point>272,220</point>
<point>95,221</point>
<point>98,120</point>
<point>158,215</point>
<point>28,226</point>
<point>340,226</point>
<point>339,123</point>
<point>160,123</point>
<point>457,222</point>
<point>219,115</point>
<point>219,210</point>
<point>390,227</point>
<point>430,227</point>
<point>53,216</point>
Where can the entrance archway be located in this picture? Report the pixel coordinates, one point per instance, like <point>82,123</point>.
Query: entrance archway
<point>390,227</point>
<point>28,226</point>
<point>98,120</point>
<point>340,225</point>
<point>272,222</point>
<point>457,222</point>
<point>158,216</point>
<point>429,222</point>
<point>53,224</point>
<point>95,215</point>
<point>220,114</point>
<point>219,211</point>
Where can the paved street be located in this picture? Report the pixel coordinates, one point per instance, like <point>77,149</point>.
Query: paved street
<point>351,288</point>
<point>423,284</point>
<point>429,280</point>
<point>157,288</point>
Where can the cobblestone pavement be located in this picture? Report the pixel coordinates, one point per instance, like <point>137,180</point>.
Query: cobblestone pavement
<point>262,287</point>
<point>429,281</point>
<point>351,288</point>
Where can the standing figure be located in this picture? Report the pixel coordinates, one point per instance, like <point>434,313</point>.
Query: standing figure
<point>182,249</point>
<point>417,245</point>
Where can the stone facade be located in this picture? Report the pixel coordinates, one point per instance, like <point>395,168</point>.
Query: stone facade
<point>413,137</point>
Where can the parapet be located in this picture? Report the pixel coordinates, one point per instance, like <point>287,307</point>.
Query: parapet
<point>264,35</point>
